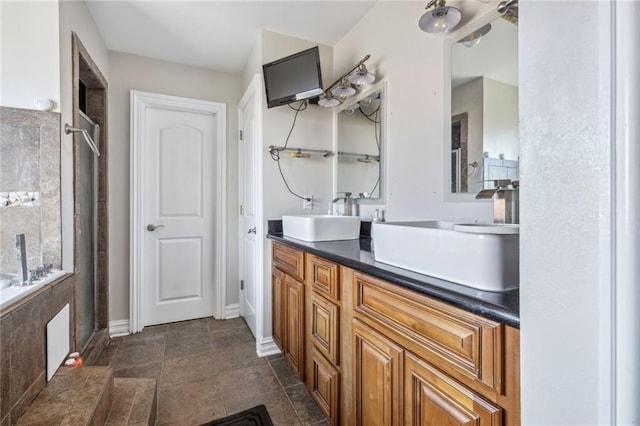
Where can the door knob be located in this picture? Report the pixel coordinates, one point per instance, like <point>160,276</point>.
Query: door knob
<point>252,230</point>
<point>151,227</point>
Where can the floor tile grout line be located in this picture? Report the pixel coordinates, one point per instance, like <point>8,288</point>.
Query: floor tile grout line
<point>286,394</point>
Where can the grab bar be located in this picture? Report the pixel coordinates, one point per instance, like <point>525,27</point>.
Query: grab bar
<point>68,130</point>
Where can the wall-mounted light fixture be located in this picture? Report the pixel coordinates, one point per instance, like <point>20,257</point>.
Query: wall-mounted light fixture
<point>440,19</point>
<point>343,88</point>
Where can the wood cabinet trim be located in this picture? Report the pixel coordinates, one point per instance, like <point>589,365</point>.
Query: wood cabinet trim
<point>277,307</point>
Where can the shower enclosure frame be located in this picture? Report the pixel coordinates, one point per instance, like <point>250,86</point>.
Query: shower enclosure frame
<point>85,69</point>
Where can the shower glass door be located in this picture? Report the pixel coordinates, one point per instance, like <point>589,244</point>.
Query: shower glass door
<point>86,242</point>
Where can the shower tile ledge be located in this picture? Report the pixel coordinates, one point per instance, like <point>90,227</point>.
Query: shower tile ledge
<point>12,298</point>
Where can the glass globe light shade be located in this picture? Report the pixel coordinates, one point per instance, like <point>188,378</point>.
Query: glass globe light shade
<point>328,101</point>
<point>474,38</point>
<point>440,19</point>
<point>361,77</point>
<point>343,90</point>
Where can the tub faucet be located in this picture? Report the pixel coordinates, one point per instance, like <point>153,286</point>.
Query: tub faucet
<point>21,251</point>
<point>505,200</point>
<point>344,206</point>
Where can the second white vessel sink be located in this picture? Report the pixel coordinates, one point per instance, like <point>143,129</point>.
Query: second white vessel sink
<point>460,253</point>
<point>315,228</point>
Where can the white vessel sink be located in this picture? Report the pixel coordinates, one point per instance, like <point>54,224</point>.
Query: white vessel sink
<point>461,253</point>
<point>315,228</point>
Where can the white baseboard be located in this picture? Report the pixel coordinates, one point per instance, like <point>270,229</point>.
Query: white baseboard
<point>267,347</point>
<point>119,328</point>
<point>232,311</point>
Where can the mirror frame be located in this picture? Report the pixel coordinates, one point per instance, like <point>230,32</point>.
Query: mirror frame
<point>446,158</point>
<point>380,86</point>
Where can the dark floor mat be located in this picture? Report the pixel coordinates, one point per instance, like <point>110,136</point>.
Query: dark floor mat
<point>256,416</point>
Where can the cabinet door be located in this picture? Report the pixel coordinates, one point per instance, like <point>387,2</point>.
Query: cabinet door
<point>325,387</point>
<point>325,319</point>
<point>434,399</point>
<point>277,307</point>
<point>294,324</point>
<point>377,375</point>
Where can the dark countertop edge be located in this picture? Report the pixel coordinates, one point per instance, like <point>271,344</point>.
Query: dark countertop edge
<point>480,307</point>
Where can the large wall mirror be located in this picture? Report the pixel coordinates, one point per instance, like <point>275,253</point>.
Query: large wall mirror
<point>359,141</point>
<point>483,82</point>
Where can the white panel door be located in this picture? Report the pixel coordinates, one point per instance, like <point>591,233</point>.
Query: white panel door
<point>248,200</point>
<point>179,212</point>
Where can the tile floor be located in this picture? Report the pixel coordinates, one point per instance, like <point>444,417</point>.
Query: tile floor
<point>207,369</point>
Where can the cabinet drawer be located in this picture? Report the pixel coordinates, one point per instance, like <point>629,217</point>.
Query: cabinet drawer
<point>324,277</point>
<point>457,341</point>
<point>325,326</point>
<point>325,387</point>
<point>289,260</point>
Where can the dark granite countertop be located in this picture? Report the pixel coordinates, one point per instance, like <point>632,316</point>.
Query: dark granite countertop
<point>356,254</point>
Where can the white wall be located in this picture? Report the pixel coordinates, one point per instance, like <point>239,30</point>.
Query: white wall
<point>411,62</point>
<point>565,239</point>
<point>30,60</point>
<point>130,72</point>
<point>74,17</point>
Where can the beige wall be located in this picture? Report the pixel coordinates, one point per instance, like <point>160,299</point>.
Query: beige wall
<point>130,72</point>
<point>74,17</point>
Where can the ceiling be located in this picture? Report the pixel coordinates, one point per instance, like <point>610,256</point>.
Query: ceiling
<point>219,35</point>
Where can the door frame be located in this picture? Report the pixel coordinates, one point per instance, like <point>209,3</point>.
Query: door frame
<point>140,101</point>
<point>254,89</point>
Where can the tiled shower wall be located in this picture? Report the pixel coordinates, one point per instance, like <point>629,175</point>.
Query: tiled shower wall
<point>30,162</point>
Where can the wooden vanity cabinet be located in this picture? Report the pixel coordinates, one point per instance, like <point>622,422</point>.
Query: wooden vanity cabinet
<point>288,305</point>
<point>437,364</point>
<point>374,353</point>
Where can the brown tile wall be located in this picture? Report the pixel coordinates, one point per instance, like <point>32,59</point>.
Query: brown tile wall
<point>23,347</point>
<point>30,161</point>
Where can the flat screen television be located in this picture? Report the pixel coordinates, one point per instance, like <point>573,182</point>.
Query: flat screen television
<point>294,78</point>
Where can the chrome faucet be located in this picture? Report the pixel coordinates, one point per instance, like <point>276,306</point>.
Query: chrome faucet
<point>344,206</point>
<point>505,200</point>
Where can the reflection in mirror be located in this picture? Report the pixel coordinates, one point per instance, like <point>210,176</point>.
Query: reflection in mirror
<point>484,106</point>
<point>358,149</point>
